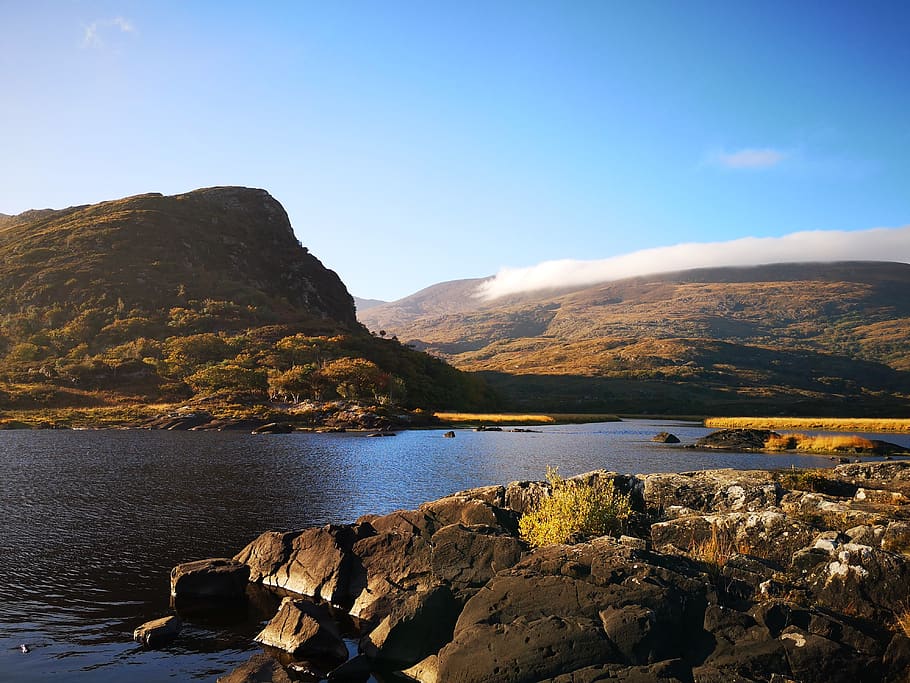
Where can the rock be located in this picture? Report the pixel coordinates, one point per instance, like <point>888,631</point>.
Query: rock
<point>274,428</point>
<point>303,628</point>
<point>665,437</point>
<point>556,610</point>
<point>316,562</point>
<point>896,661</point>
<point>425,671</point>
<point>524,496</point>
<point>158,632</point>
<point>862,581</point>
<point>355,670</point>
<point>220,578</point>
<point>415,630</point>
<point>896,537</point>
<point>737,439</point>
<point>772,534</point>
<point>467,557</point>
<point>391,566</point>
<point>711,490</point>
<point>670,671</point>
<point>260,668</point>
<point>470,512</point>
<point>523,651</point>
<point>875,471</point>
<point>449,435</point>
<point>815,659</point>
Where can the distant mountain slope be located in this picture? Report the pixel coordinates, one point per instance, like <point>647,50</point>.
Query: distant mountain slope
<point>734,330</point>
<point>367,304</point>
<point>207,292</point>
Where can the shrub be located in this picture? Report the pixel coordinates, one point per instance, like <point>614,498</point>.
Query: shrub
<point>574,507</point>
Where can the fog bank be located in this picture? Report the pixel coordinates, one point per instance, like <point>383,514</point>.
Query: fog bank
<point>878,244</point>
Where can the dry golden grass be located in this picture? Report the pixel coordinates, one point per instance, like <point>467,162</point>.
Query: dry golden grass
<point>495,418</point>
<point>718,548</point>
<point>903,621</point>
<point>817,444</point>
<point>828,424</point>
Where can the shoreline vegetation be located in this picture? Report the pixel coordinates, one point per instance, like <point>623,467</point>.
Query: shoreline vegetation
<point>827,424</point>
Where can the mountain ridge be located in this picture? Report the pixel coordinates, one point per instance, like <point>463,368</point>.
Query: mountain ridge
<point>849,322</point>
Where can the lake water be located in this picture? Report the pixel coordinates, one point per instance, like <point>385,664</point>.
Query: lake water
<point>93,521</point>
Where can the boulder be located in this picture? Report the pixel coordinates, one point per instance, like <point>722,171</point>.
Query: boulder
<point>303,628</point>
<point>524,496</point>
<point>665,437</point>
<point>862,581</point>
<point>467,557</point>
<point>219,578</point>
<point>670,671</point>
<point>769,534</point>
<point>425,671</point>
<point>524,650</point>
<point>316,562</point>
<point>158,632</point>
<point>260,668</point>
<point>737,439</point>
<point>356,670</point>
<point>470,511</point>
<point>896,537</point>
<point>711,491</point>
<point>414,630</point>
<point>390,567</point>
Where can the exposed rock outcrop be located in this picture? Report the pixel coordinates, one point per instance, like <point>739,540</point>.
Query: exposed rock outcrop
<point>751,578</point>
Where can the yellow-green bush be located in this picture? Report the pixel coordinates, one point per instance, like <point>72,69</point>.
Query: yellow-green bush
<point>575,507</point>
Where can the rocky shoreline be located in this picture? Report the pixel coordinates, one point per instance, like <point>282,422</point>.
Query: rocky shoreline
<point>721,575</point>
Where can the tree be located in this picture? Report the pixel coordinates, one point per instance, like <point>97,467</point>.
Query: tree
<point>185,354</point>
<point>355,378</point>
<point>228,377</point>
<point>291,384</point>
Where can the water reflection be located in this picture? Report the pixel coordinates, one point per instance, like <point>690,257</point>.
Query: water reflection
<point>94,521</point>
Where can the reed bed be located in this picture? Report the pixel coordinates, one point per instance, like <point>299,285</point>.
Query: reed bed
<point>818,444</point>
<point>827,424</point>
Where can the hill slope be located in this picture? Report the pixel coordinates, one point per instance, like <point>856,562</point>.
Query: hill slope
<point>830,338</point>
<point>153,297</point>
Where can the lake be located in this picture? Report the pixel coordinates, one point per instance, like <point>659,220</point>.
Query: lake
<point>93,521</point>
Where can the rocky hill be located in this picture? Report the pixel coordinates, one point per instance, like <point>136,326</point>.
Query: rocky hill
<point>795,338</point>
<point>209,292</point>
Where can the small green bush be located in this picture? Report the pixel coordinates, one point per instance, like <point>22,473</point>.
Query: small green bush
<point>575,507</point>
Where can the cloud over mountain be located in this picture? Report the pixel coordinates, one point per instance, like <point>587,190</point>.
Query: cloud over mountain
<point>878,244</point>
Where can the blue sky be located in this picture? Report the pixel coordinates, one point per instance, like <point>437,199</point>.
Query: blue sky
<point>415,142</point>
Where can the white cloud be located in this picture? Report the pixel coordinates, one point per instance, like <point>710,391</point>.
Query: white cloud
<point>749,158</point>
<point>91,37</point>
<point>879,244</point>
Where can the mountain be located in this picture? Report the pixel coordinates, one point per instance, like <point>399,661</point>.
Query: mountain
<point>149,253</point>
<point>796,338</point>
<point>367,304</point>
<point>157,297</point>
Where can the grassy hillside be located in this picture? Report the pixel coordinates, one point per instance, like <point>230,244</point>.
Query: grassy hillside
<point>200,295</point>
<point>789,338</point>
